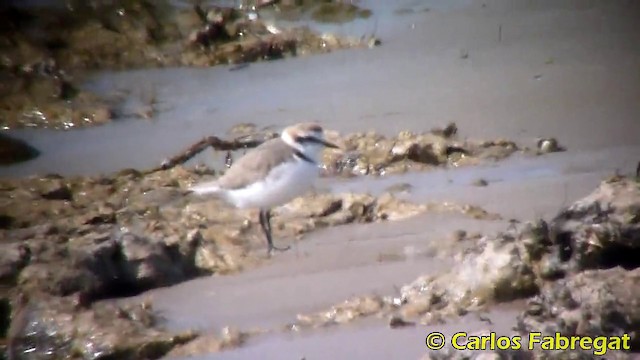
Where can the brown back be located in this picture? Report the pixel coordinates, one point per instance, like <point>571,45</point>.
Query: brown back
<point>255,164</point>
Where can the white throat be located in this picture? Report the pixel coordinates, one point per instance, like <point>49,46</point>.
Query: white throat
<point>288,139</point>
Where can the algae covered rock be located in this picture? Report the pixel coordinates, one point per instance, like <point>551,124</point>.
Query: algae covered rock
<point>591,303</point>
<point>373,153</point>
<point>52,328</point>
<point>602,229</point>
<point>519,264</point>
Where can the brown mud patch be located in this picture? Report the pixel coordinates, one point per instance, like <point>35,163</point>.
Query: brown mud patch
<point>47,51</point>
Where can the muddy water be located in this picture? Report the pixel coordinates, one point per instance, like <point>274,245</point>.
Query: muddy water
<point>531,70</point>
<point>512,69</point>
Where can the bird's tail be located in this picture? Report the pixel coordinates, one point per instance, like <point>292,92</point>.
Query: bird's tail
<point>181,197</point>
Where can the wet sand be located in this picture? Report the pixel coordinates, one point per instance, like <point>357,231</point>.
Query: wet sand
<point>568,69</point>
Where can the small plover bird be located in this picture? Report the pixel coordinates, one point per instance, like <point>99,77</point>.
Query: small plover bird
<point>272,174</point>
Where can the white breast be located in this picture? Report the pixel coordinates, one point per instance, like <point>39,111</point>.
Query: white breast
<point>284,183</point>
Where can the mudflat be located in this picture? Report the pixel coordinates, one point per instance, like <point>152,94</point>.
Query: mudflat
<point>505,70</point>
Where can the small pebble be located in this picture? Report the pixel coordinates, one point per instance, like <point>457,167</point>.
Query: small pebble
<point>480,182</point>
<point>398,322</point>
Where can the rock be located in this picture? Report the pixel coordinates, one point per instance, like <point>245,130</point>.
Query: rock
<point>458,235</point>
<point>6,221</point>
<point>101,215</point>
<point>548,145</point>
<point>5,316</point>
<point>448,131</point>
<point>388,207</point>
<point>13,258</point>
<point>110,264</point>
<point>243,129</point>
<point>480,182</point>
<point>60,192</point>
<point>209,343</point>
<point>375,154</point>
<point>398,322</point>
<point>494,272</point>
<point>14,150</point>
<point>31,232</point>
<point>345,312</point>
<point>600,230</point>
<point>40,63</point>
<point>148,264</point>
<point>591,303</point>
<point>51,327</point>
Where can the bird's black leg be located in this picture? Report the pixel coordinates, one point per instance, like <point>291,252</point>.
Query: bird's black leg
<point>265,223</point>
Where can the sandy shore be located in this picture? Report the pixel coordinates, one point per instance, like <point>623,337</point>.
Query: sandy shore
<point>499,69</point>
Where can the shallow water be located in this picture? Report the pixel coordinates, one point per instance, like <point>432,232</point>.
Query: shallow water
<point>516,169</point>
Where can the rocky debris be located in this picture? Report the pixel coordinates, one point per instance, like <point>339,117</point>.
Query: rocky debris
<point>229,338</point>
<point>53,328</point>
<point>73,241</point>
<point>13,258</point>
<point>79,240</point>
<point>105,264</point>
<point>244,129</point>
<point>549,145</point>
<point>133,232</point>
<point>39,94</point>
<point>232,36</point>
<point>373,153</point>
<point>602,230</point>
<point>345,312</point>
<point>397,322</point>
<point>45,49</point>
<point>592,303</point>
<point>14,150</point>
<point>493,271</point>
<point>534,260</point>
<point>311,212</point>
<point>480,182</point>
